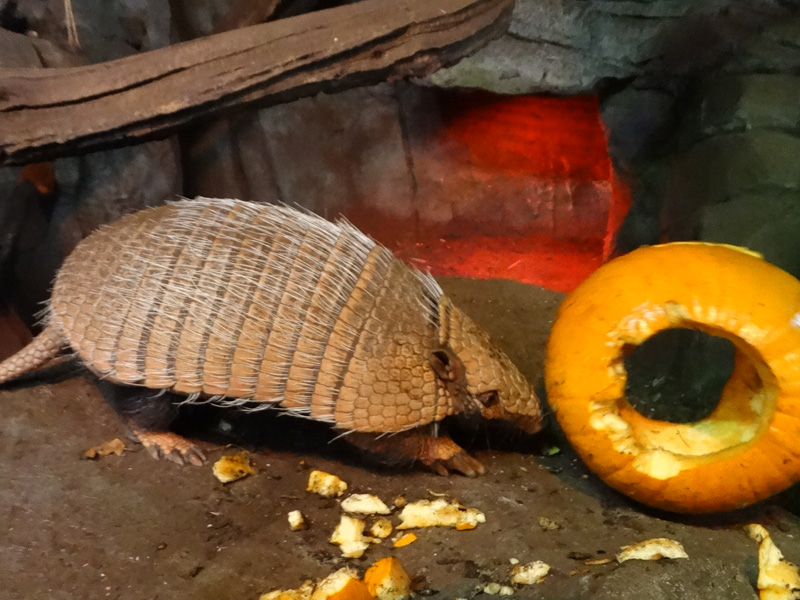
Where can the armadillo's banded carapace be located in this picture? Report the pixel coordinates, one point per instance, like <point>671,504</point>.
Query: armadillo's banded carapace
<point>258,303</point>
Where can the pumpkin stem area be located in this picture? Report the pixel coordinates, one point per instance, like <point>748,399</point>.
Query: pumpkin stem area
<point>678,375</point>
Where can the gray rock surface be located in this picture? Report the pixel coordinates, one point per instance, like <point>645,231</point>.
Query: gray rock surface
<point>17,50</point>
<point>738,103</point>
<point>91,190</point>
<point>323,153</point>
<point>572,46</point>
<point>98,188</point>
<point>106,30</point>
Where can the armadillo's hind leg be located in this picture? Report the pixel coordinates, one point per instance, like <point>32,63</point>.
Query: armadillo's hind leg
<point>439,453</point>
<point>148,416</point>
<point>43,348</point>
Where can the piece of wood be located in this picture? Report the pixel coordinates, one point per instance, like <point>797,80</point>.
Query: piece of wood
<point>45,113</point>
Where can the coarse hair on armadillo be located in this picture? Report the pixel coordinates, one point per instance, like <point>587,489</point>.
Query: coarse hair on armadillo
<point>236,302</point>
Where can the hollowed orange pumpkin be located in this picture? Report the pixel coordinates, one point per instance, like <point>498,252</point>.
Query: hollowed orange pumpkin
<point>748,448</point>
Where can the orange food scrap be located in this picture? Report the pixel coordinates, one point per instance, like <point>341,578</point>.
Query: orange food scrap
<point>405,540</point>
<point>233,467</point>
<point>115,447</point>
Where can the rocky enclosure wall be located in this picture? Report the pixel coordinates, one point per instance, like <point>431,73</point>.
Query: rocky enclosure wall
<point>701,103</point>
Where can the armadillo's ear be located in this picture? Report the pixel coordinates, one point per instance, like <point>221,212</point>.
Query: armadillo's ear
<point>443,361</point>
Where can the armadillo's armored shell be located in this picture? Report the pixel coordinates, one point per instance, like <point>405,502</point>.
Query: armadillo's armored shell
<point>257,303</point>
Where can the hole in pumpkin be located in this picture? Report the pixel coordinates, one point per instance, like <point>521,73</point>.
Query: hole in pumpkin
<point>678,374</point>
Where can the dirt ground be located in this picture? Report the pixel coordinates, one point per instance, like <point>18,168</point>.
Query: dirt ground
<point>132,528</point>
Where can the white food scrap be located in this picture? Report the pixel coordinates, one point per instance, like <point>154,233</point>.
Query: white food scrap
<point>440,513</point>
<point>495,589</point>
<point>233,467</point>
<point>652,549</point>
<point>349,536</point>
<point>343,584</point>
<point>548,524</point>
<point>296,520</point>
<point>778,579</point>
<point>382,529</point>
<point>594,562</point>
<point>533,572</point>
<point>325,484</point>
<point>365,504</point>
<point>301,593</point>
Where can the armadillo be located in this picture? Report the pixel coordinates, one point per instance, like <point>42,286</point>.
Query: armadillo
<point>259,304</point>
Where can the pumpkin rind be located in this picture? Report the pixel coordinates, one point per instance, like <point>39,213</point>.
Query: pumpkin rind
<point>747,449</point>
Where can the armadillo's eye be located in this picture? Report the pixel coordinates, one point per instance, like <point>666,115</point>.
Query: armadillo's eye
<point>489,399</point>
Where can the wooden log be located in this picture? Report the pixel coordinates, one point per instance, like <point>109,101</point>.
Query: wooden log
<point>45,113</point>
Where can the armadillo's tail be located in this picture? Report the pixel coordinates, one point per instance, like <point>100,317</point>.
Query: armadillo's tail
<point>43,347</point>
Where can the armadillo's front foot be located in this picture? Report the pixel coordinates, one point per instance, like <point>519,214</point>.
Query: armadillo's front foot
<point>164,444</point>
<point>444,456</point>
<point>441,454</point>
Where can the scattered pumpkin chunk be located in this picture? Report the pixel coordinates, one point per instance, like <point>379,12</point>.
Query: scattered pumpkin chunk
<point>496,589</point>
<point>301,593</point>
<point>296,520</point>
<point>325,484</point>
<point>388,580</point>
<point>440,513</point>
<point>349,536</point>
<point>115,447</point>
<point>778,579</point>
<point>405,540</point>
<point>343,584</point>
<point>533,572</point>
<point>233,467</point>
<point>365,504</point>
<point>652,549</point>
<point>382,528</point>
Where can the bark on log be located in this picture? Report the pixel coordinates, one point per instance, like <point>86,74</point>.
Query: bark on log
<point>45,113</point>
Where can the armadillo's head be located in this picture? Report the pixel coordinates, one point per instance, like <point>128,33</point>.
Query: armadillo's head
<point>494,384</point>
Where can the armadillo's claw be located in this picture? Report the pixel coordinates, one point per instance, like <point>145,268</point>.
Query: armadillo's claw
<point>170,446</point>
<point>444,456</point>
<point>439,453</point>
<point>440,469</point>
<point>460,463</point>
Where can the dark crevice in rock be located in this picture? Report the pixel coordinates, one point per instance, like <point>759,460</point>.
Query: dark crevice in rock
<point>10,18</point>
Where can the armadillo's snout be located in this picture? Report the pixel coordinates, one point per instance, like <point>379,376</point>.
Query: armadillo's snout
<point>529,423</point>
<point>514,401</point>
<point>522,407</point>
